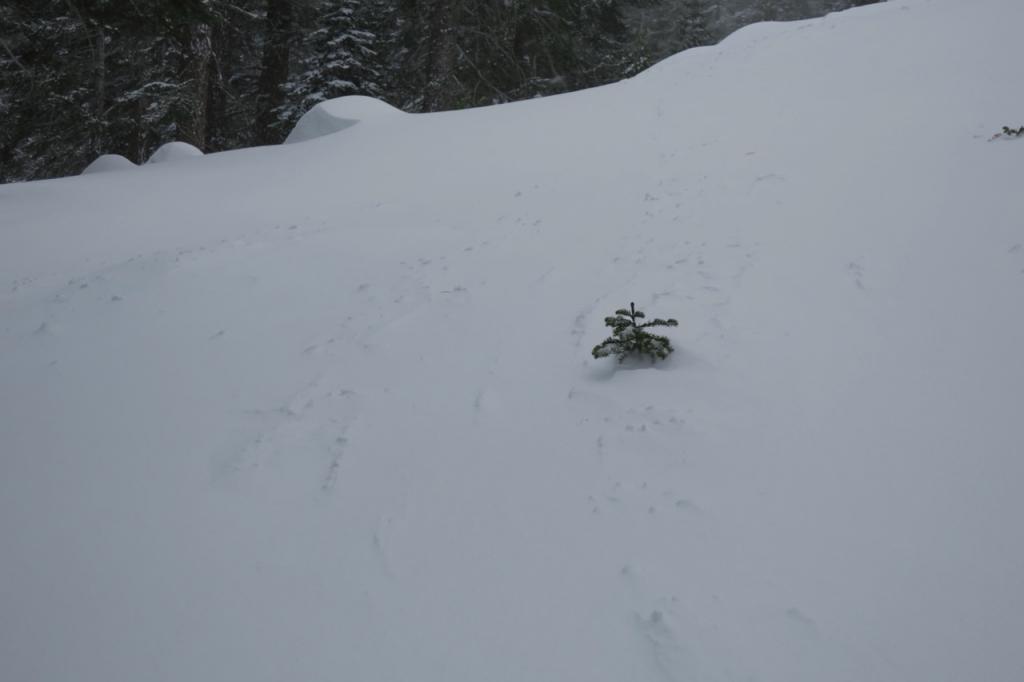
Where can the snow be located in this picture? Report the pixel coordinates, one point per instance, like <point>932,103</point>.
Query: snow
<point>174,151</point>
<point>328,411</point>
<point>107,163</point>
<point>335,115</point>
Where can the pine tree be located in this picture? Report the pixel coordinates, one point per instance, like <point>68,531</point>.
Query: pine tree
<point>53,83</point>
<point>91,77</point>
<point>691,29</point>
<point>458,53</point>
<point>668,27</point>
<point>341,58</point>
<point>778,10</point>
<point>278,37</point>
<point>565,45</point>
<point>234,74</point>
<point>630,338</point>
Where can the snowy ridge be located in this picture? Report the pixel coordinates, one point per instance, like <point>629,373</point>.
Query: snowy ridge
<point>327,411</point>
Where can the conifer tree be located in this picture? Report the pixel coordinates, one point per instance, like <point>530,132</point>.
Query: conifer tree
<point>663,28</point>
<point>278,39</point>
<point>691,28</point>
<point>340,58</point>
<point>778,10</point>
<point>630,338</point>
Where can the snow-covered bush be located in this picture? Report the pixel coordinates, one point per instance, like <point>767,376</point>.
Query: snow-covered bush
<point>628,337</point>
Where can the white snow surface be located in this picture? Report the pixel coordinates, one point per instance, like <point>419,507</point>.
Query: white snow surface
<point>328,411</point>
<point>335,115</point>
<point>174,151</point>
<point>107,163</point>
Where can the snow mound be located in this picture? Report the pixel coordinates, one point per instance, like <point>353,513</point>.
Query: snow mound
<point>335,115</point>
<point>107,163</point>
<point>174,151</point>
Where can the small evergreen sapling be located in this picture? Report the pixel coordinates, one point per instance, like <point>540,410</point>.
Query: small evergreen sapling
<point>629,337</point>
<point>1009,132</point>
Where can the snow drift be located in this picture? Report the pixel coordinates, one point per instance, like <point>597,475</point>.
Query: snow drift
<point>107,163</point>
<point>174,151</point>
<point>276,416</point>
<point>338,114</point>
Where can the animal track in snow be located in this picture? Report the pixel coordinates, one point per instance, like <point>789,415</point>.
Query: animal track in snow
<point>801,620</point>
<point>304,440</point>
<point>337,451</point>
<point>318,347</point>
<point>670,657</point>
<point>579,327</point>
<point>856,271</point>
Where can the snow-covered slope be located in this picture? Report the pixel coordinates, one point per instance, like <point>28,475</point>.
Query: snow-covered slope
<point>327,411</point>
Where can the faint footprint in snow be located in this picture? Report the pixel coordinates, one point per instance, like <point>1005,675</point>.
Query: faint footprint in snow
<point>685,505</point>
<point>337,452</point>
<point>303,440</point>
<point>19,283</point>
<point>579,326</point>
<point>670,657</point>
<point>487,402</point>
<point>318,348</point>
<point>379,545</point>
<point>856,271</point>
<point>802,621</point>
<point>769,178</point>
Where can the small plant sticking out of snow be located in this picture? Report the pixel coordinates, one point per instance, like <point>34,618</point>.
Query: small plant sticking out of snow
<point>1009,132</point>
<point>630,338</point>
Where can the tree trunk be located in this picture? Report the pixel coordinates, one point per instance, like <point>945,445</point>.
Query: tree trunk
<point>97,39</point>
<point>100,106</point>
<point>196,80</point>
<point>440,80</point>
<point>216,99</point>
<point>274,70</point>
